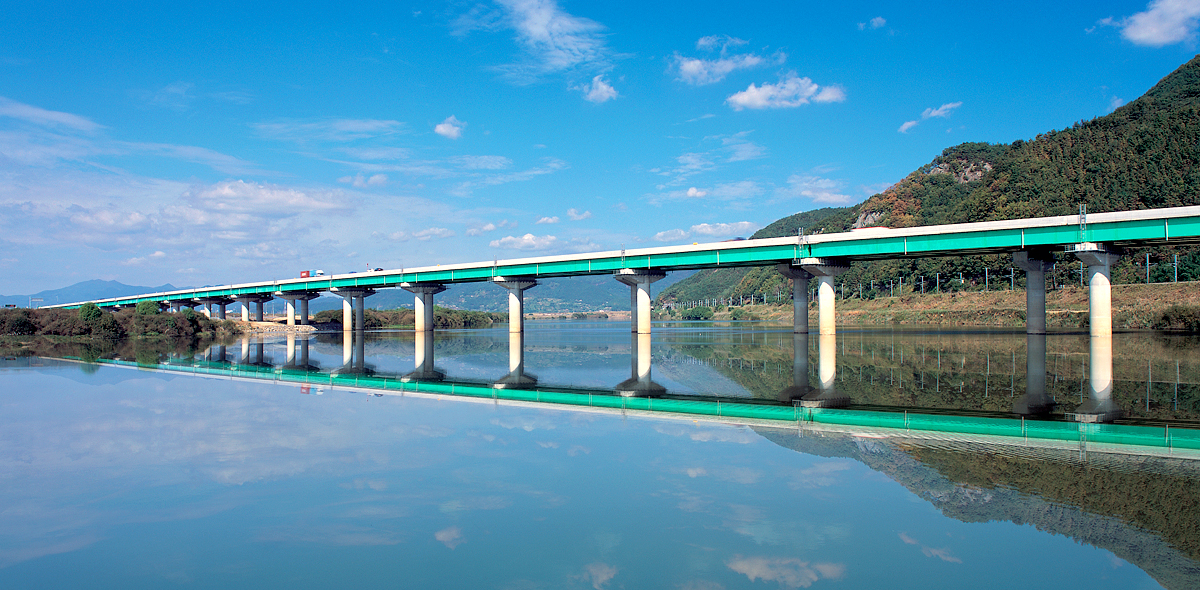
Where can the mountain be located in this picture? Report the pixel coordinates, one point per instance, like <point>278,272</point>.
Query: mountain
<point>1143,155</point>
<point>84,291</point>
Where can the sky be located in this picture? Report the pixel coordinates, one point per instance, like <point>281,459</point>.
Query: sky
<point>215,143</point>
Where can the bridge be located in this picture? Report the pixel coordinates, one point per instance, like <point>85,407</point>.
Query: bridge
<point>1096,240</point>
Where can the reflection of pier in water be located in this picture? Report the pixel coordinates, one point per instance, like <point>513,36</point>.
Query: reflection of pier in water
<point>822,371</point>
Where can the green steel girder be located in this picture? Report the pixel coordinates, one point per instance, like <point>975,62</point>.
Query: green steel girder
<point>1184,229</point>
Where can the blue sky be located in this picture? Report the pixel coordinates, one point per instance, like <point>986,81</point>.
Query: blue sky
<point>215,143</point>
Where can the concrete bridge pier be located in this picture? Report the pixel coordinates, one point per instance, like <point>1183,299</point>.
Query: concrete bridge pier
<point>1035,264</point>
<point>1099,406</point>
<point>1035,401</point>
<point>799,278</point>
<point>516,377</point>
<point>291,299</point>
<point>799,387</point>
<point>639,383</point>
<point>353,306</point>
<point>516,300</point>
<point>639,295</point>
<point>1099,261</point>
<point>423,303</point>
<point>825,269</point>
<point>247,301</point>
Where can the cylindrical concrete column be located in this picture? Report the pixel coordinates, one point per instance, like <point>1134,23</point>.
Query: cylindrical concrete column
<point>245,358</point>
<point>347,347</point>
<point>826,300</point>
<point>516,310</point>
<point>221,311</point>
<point>643,307</point>
<point>642,367</point>
<point>245,311</point>
<point>360,303</point>
<point>291,349</point>
<point>258,310</point>
<point>516,353</point>
<point>304,352</point>
<point>291,311</point>
<point>1100,381</point>
<point>304,312</point>
<point>419,319</point>
<point>827,349</point>
<point>1099,300</point>
<point>206,309</point>
<point>347,314</point>
<point>800,304</point>
<point>800,359</point>
<point>1035,300</point>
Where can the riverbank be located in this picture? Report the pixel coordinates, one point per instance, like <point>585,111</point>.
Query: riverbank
<point>1135,306</point>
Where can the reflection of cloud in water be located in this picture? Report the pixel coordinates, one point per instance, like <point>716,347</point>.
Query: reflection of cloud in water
<point>753,523</point>
<point>548,445</point>
<point>451,537</point>
<point>942,553</point>
<point>13,556</point>
<point>475,503</point>
<point>576,450</point>
<point>701,585</point>
<point>331,534</point>
<point>707,433</point>
<point>598,574</point>
<point>787,571</point>
<point>526,423</point>
<point>822,474</point>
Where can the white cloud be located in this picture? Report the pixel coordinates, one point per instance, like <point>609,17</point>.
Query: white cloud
<point>553,40</point>
<point>525,242</point>
<point>599,91</point>
<point>376,153</point>
<point>791,91</point>
<point>1164,22</point>
<point>787,571</point>
<point>943,112</point>
<point>1115,103</point>
<point>575,215</point>
<point>450,128</point>
<point>338,130</point>
<point>719,230</point>
<point>174,96</point>
<point>699,72</point>
<point>479,231</point>
<point>550,166</point>
<point>361,181</point>
<point>816,188</point>
<point>482,162</point>
<point>670,235</point>
<point>875,23</point>
<point>433,232</point>
<point>451,537</point>
<point>599,574</point>
<point>696,193</point>
<point>40,116</point>
<point>546,220</point>
<point>215,160</point>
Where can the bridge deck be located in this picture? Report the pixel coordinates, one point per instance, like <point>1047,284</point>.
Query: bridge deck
<point>1144,227</point>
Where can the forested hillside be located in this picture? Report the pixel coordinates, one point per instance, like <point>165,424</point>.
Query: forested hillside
<point>1143,155</point>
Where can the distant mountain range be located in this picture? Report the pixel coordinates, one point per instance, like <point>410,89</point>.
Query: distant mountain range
<point>85,291</point>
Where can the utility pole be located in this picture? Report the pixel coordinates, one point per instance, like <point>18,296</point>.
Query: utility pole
<point>1012,279</point>
<point>937,277</point>
<point>1147,268</point>
<point>985,279</point>
<point>1176,268</point>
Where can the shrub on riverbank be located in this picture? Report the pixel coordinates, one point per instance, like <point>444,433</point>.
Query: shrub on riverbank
<point>1179,317</point>
<point>92,322</point>
<point>443,318</point>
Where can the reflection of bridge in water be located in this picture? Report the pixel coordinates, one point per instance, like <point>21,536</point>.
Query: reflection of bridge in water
<point>806,402</point>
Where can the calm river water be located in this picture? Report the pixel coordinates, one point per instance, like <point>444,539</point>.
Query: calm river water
<point>472,459</point>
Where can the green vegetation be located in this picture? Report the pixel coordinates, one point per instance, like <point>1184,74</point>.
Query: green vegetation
<point>1145,154</point>
<point>443,318</point>
<point>91,322</point>
<point>697,313</point>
